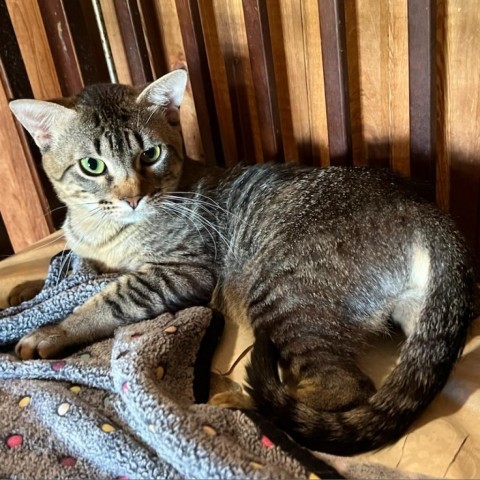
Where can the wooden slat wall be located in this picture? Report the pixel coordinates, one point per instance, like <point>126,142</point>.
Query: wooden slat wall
<point>391,83</point>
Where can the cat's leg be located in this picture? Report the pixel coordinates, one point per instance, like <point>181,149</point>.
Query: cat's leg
<point>25,291</point>
<point>135,296</point>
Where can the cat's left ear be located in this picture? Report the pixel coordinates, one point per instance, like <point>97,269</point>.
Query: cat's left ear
<point>167,92</point>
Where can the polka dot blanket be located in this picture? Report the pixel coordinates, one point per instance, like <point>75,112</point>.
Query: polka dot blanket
<point>133,407</point>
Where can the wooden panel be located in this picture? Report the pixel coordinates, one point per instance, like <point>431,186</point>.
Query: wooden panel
<point>281,77</point>
<point>190,25</point>
<point>130,22</point>
<point>36,54</point>
<point>421,54</point>
<point>61,46</point>
<point>260,51</point>
<point>443,154</point>
<point>462,114</point>
<point>398,92</point>
<point>234,47</point>
<point>172,45</point>
<point>332,21</point>
<point>152,33</point>
<point>221,91</point>
<point>116,43</point>
<point>23,205</point>
<point>88,44</point>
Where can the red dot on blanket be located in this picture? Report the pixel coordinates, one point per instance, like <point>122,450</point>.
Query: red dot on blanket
<point>14,441</point>
<point>267,442</point>
<point>125,387</point>
<point>57,366</point>
<point>122,478</point>
<point>68,461</point>
<point>135,335</point>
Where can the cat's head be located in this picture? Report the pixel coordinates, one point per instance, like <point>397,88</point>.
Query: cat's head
<point>112,149</point>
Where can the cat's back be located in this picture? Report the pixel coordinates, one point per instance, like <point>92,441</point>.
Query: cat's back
<point>295,199</point>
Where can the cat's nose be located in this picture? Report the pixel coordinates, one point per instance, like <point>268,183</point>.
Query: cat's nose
<point>133,201</point>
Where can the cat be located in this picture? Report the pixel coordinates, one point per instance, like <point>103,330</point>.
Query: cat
<point>315,260</point>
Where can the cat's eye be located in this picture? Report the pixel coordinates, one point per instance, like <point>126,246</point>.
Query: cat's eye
<point>92,166</point>
<point>150,156</point>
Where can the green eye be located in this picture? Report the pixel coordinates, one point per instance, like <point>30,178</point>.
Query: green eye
<point>150,156</point>
<point>92,166</point>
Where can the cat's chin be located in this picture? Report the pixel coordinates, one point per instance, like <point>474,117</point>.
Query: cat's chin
<point>133,217</point>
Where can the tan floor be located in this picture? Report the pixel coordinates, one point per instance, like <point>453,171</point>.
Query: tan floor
<point>444,442</point>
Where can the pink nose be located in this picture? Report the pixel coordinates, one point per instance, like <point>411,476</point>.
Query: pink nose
<point>133,201</point>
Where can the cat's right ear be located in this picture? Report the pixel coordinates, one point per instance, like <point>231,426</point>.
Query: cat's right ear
<point>41,119</point>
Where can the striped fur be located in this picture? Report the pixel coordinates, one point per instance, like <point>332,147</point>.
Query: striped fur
<point>315,260</point>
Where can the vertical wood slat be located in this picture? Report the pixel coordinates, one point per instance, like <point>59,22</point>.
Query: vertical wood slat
<point>130,22</point>
<point>32,39</point>
<point>61,46</point>
<point>87,40</point>
<point>114,34</point>
<point>23,204</point>
<point>153,38</point>
<point>234,47</point>
<point>421,55</point>
<point>332,28</point>
<point>260,49</point>
<point>229,135</point>
<point>192,35</point>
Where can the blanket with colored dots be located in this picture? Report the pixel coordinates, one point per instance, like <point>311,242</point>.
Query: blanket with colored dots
<point>133,407</point>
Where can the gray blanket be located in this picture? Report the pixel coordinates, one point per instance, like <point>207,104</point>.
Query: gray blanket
<point>128,407</point>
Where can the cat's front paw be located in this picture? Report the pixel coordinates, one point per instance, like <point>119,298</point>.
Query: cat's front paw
<point>46,342</point>
<point>25,291</point>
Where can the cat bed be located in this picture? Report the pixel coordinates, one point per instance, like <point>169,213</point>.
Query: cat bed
<point>128,407</point>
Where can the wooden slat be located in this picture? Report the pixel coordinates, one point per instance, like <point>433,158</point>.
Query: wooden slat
<point>130,22</point>
<point>421,54</point>
<point>369,46</point>
<point>332,26</point>
<point>260,50</point>
<point>317,111</point>
<point>290,148</point>
<point>190,25</point>
<point>172,45</point>
<point>398,94</point>
<point>32,39</point>
<point>23,204</point>
<point>234,46</point>
<point>116,43</point>
<point>296,64</point>
<point>153,38</point>
<point>442,180</point>
<point>87,40</point>
<point>61,46</point>
<point>460,95</point>
<point>228,133</point>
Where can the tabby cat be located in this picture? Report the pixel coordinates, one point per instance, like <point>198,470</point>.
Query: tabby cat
<point>314,259</point>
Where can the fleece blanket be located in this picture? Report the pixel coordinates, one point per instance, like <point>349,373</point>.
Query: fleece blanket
<point>133,407</point>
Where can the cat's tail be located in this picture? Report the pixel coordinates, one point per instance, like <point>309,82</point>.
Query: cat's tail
<point>425,362</point>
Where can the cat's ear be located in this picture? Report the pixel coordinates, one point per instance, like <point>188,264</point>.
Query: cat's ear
<point>167,92</point>
<point>41,119</point>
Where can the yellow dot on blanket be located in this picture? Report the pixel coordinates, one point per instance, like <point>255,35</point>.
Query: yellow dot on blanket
<point>63,408</point>
<point>152,427</point>
<point>209,430</point>
<point>160,373</point>
<point>24,402</point>
<point>256,465</point>
<point>171,329</point>
<point>312,476</point>
<point>106,427</point>
<point>75,389</point>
